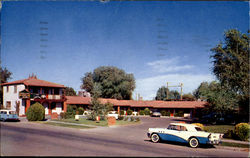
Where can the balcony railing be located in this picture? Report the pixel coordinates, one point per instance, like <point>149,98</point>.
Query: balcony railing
<point>43,96</point>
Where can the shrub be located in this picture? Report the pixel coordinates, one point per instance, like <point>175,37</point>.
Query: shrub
<point>120,117</point>
<point>229,134</point>
<point>163,112</point>
<point>125,118</point>
<point>132,119</point>
<point>62,115</point>
<point>168,113</point>
<point>242,131</point>
<point>141,112</point>
<point>199,124</point>
<point>179,114</point>
<point>147,111</point>
<point>36,112</point>
<point>129,112</point>
<point>80,111</point>
<point>137,119</point>
<point>122,112</point>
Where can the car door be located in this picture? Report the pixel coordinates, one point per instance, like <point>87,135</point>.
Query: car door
<point>173,134</point>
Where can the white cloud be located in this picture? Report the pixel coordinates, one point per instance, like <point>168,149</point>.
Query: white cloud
<point>147,87</point>
<point>168,65</point>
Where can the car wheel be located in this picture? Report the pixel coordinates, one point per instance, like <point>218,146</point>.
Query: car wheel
<point>193,142</point>
<point>155,138</point>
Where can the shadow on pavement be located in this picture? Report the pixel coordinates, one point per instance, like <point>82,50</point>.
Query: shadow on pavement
<point>203,146</point>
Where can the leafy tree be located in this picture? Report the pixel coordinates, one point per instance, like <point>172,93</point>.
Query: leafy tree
<point>231,61</point>
<point>163,93</point>
<point>88,82</point>
<point>69,91</point>
<point>112,82</point>
<point>220,98</point>
<point>201,91</point>
<point>231,65</point>
<point>188,97</point>
<point>5,76</point>
<point>97,108</point>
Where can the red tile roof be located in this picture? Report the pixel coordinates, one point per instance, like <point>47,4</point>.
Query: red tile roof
<point>135,103</point>
<point>77,100</point>
<point>34,82</point>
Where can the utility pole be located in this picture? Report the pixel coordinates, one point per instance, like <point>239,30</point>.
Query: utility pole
<point>180,85</point>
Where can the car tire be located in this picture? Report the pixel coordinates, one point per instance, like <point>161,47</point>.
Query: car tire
<point>193,142</point>
<point>155,138</point>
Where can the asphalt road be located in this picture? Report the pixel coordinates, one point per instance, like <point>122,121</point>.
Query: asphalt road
<point>33,139</point>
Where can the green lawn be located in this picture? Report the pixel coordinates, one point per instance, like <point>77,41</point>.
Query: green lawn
<point>235,145</point>
<point>66,125</point>
<point>218,128</point>
<point>96,123</point>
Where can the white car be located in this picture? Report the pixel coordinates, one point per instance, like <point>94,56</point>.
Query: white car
<point>184,133</point>
<point>113,114</point>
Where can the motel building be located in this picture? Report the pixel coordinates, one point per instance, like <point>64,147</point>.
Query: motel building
<point>189,108</point>
<point>21,94</point>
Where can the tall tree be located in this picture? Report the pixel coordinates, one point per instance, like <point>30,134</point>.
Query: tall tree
<point>220,98</point>
<point>112,82</point>
<point>231,65</point>
<point>188,97</point>
<point>97,108</point>
<point>69,91</point>
<point>163,93</point>
<point>5,76</point>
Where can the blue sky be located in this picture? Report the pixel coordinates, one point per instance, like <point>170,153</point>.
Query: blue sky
<point>158,42</point>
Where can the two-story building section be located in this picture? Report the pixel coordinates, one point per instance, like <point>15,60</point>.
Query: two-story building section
<point>21,94</point>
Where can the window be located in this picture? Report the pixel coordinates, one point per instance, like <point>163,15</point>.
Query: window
<point>8,105</point>
<point>198,129</point>
<point>15,89</point>
<point>7,89</point>
<point>182,128</point>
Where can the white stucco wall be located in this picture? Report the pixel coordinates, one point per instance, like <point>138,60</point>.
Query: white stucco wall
<point>58,108</point>
<point>13,97</point>
<point>46,106</point>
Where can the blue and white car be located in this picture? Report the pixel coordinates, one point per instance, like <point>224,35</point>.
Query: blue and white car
<point>184,133</point>
<point>8,115</point>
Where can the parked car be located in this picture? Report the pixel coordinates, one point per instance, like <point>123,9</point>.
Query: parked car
<point>134,113</point>
<point>156,114</point>
<point>184,133</point>
<point>8,115</point>
<point>114,114</point>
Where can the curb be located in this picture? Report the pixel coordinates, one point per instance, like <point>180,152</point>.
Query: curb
<point>233,148</point>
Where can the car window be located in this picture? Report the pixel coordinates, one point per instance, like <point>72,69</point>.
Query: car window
<point>198,129</point>
<point>171,127</point>
<point>182,128</point>
<point>12,112</point>
<point>174,127</point>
